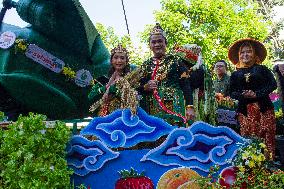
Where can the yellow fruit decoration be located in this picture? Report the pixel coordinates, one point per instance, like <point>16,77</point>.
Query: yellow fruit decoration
<point>178,178</point>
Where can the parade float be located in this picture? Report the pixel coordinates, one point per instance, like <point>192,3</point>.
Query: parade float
<point>55,59</point>
<point>46,70</point>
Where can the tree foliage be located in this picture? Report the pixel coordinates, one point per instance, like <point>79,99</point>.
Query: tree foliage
<point>111,40</point>
<point>266,8</point>
<point>211,24</point>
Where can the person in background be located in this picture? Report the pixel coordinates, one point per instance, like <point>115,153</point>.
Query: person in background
<point>222,82</point>
<point>251,85</point>
<point>279,73</point>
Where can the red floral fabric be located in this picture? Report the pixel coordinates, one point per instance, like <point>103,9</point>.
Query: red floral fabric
<point>261,125</point>
<point>104,110</point>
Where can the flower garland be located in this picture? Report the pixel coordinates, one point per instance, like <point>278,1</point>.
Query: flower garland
<point>21,46</point>
<point>250,169</point>
<point>190,54</point>
<point>251,156</point>
<point>254,169</point>
<point>68,72</point>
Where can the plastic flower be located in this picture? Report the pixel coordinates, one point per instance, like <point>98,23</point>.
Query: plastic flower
<point>262,145</point>
<point>251,164</point>
<point>278,114</point>
<point>254,157</point>
<point>254,169</point>
<point>92,82</point>
<point>21,45</point>
<point>69,72</point>
<point>241,168</point>
<point>261,157</point>
<point>245,155</point>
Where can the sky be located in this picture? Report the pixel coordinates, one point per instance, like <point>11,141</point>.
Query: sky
<point>110,13</point>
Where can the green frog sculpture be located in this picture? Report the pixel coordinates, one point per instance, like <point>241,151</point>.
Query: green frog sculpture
<point>49,66</point>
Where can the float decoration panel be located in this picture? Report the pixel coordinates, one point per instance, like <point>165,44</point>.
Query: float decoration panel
<point>86,156</point>
<point>200,146</point>
<point>121,129</point>
<point>197,148</point>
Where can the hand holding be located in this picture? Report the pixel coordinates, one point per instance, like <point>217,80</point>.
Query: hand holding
<point>151,85</point>
<point>249,94</point>
<point>190,113</point>
<point>115,76</point>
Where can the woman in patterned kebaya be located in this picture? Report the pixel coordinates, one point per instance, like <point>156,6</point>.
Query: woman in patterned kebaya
<point>251,85</point>
<point>108,93</point>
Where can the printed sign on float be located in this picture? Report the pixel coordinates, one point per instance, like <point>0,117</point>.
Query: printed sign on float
<point>44,58</point>
<point>7,39</point>
<point>83,78</point>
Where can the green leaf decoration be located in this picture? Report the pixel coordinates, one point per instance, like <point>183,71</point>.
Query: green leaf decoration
<point>33,156</point>
<point>130,174</point>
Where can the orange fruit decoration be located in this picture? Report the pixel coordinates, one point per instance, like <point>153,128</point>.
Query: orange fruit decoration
<point>178,178</point>
<point>189,185</point>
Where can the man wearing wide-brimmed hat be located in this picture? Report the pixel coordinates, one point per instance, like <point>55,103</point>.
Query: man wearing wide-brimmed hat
<point>251,85</point>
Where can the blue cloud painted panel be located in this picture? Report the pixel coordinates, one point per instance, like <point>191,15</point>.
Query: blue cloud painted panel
<point>199,146</point>
<point>85,156</point>
<point>122,129</point>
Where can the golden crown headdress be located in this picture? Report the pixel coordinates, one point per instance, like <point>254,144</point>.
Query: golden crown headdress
<point>119,49</point>
<point>158,30</point>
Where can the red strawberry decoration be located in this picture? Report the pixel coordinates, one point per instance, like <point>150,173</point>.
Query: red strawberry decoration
<point>133,180</point>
